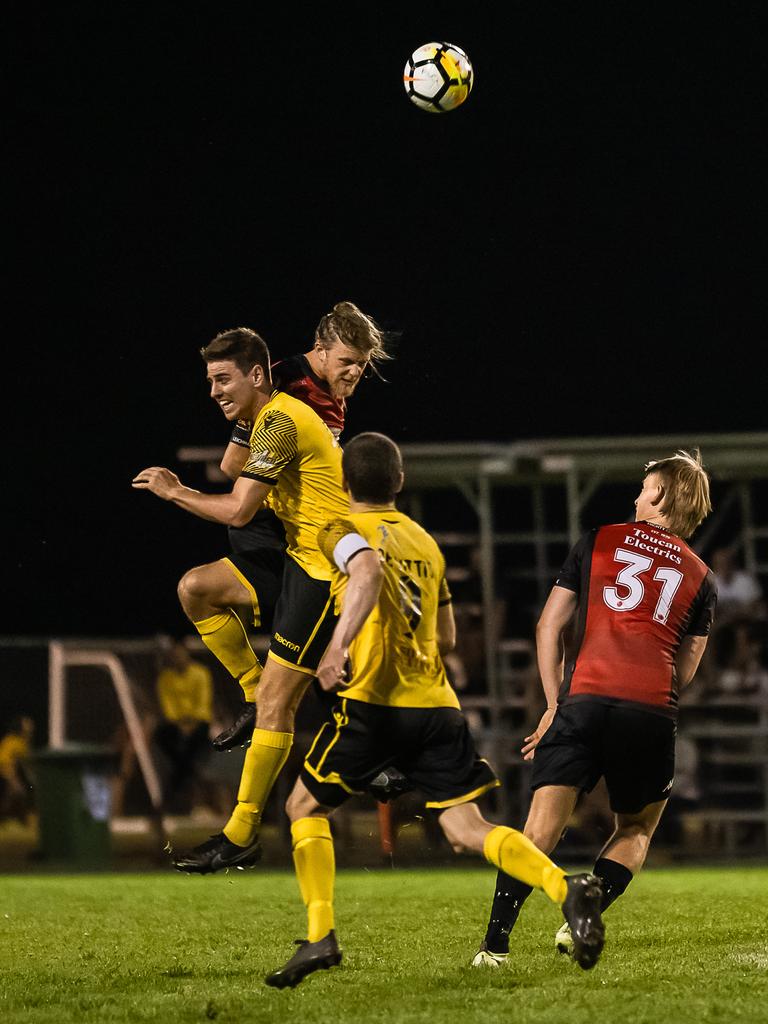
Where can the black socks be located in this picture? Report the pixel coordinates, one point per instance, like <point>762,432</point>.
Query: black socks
<point>615,878</point>
<point>507,900</point>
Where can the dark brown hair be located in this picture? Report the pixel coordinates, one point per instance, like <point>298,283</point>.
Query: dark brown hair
<point>373,468</point>
<point>244,347</point>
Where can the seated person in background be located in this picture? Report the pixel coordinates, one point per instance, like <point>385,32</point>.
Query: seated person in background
<point>15,783</point>
<point>467,586</point>
<point>185,696</point>
<point>740,669</point>
<point>739,594</point>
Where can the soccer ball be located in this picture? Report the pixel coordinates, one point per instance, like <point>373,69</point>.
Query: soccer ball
<point>438,77</point>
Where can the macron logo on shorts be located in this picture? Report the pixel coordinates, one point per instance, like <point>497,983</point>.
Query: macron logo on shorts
<point>287,643</point>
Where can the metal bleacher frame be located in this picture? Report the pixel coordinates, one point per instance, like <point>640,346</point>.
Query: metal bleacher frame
<point>579,467</point>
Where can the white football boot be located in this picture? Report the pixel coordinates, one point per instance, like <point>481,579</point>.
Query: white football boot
<point>484,957</point>
<point>564,940</point>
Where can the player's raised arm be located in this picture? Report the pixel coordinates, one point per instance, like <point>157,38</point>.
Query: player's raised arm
<point>238,449</point>
<point>232,461</point>
<point>236,508</point>
<point>237,364</point>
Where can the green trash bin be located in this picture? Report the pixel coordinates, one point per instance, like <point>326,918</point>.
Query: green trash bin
<point>74,798</point>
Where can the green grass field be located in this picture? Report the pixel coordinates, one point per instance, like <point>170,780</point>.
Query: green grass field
<point>683,945</point>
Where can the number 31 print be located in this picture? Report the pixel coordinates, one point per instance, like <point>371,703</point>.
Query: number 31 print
<point>634,589</point>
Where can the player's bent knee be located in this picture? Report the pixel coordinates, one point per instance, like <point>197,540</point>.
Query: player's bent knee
<point>301,803</point>
<point>453,837</point>
<point>293,806</point>
<point>192,587</point>
<point>459,832</point>
<point>457,842</point>
<point>542,838</point>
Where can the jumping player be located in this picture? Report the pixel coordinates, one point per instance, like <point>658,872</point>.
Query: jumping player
<point>295,459</point>
<point>398,709</point>
<point>247,582</point>
<point>644,604</point>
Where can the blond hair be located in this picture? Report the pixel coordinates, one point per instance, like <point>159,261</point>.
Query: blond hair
<point>353,328</point>
<point>686,486</point>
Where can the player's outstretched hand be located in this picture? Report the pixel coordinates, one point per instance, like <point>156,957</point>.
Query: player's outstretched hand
<point>160,481</point>
<point>531,742</point>
<point>333,670</point>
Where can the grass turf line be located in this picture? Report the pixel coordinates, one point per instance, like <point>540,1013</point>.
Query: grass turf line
<point>684,945</point>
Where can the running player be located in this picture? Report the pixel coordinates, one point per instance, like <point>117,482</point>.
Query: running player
<point>347,342</point>
<point>398,709</point>
<point>644,604</point>
<point>295,459</point>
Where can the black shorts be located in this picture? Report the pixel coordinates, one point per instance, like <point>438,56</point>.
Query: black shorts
<point>304,620</point>
<point>432,747</point>
<point>264,531</point>
<point>261,573</point>
<point>634,750</point>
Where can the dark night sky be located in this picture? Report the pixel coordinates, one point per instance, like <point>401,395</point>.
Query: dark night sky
<point>579,250</point>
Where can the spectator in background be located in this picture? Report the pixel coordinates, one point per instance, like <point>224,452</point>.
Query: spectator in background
<point>467,662</point>
<point>185,696</point>
<point>739,594</point>
<point>739,655</point>
<point>15,781</point>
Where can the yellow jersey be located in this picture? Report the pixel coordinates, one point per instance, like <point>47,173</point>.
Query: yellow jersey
<point>395,659</point>
<point>13,748</point>
<point>186,694</point>
<point>295,452</point>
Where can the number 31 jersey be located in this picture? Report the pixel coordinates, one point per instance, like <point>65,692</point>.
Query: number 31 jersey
<point>641,590</point>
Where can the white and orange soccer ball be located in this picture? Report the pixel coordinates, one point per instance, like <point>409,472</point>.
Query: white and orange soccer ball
<point>438,77</point>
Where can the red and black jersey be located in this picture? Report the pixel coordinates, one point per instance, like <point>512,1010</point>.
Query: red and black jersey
<point>641,590</point>
<point>294,375</point>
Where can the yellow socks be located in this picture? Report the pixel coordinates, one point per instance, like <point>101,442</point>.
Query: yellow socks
<point>250,681</point>
<point>225,637</point>
<point>514,854</point>
<point>264,760</point>
<point>315,866</point>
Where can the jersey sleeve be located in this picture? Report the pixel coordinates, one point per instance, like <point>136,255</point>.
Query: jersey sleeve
<point>242,433</point>
<point>339,541</point>
<point>444,594</point>
<point>570,575</point>
<point>285,372</point>
<point>274,444</point>
<point>703,608</point>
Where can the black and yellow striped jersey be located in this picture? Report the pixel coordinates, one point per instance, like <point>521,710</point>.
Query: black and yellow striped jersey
<point>295,452</point>
<point>395,658</point>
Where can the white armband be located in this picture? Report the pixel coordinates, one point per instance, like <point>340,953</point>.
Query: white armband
<point>349,545</point>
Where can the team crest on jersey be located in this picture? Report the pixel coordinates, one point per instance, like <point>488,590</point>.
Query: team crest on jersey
<point>261,460</point>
